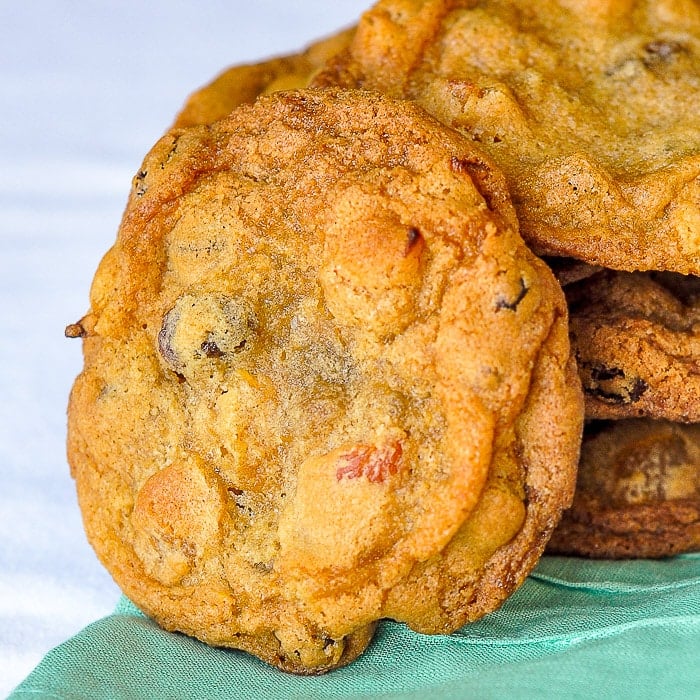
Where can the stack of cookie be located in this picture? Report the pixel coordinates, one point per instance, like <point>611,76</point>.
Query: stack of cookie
<point>637,342</point>
<point>591,110</point>
<point>327,382</point>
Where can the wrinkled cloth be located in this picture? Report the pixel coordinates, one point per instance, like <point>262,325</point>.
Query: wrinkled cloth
<point>575,629</point>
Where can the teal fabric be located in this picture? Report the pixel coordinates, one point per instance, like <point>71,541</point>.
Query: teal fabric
<point>575,629</point>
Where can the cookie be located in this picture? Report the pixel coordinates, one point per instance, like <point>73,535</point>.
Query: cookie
<point>300,410</point>
<point>590,109</point>
<point>569,270</point>
<point>242,84</point>
<point>638,492</point>
<point>636,337</point>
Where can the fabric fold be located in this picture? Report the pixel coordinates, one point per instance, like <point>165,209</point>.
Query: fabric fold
<point>575,629</point>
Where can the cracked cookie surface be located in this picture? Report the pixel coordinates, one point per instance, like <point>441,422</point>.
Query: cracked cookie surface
<point>301,409</point>
<point>590,108</point>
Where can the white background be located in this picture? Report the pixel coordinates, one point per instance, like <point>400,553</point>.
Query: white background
<point>85,89</point>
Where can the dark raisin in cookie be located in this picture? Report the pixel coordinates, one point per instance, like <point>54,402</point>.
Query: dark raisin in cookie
<point>637,341</point>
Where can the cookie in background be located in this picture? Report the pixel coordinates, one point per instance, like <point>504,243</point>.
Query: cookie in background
<point>589,108</point>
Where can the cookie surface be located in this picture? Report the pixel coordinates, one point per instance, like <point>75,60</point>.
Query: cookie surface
<point>589,108</point>
<point>242,84</point>
<point>638,492</point>
<point>636,337</point>
<point>300,411</point>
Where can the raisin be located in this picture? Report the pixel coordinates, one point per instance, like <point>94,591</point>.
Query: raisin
<point>512,305</point>
<point>600,373</point>
<point>211,349</point>
<point>612,385</point>
<point>75,330</point>
<point>205,327</point>
<point>414,237</point>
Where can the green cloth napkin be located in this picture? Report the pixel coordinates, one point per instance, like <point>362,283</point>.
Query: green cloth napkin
<point>575,629</point>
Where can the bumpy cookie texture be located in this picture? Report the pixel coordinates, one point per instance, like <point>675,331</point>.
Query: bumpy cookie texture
<point>636,337</point>
<point>638,492</point>
<point>242,84</point>
<point>589,107</point>
<point>325,382</point>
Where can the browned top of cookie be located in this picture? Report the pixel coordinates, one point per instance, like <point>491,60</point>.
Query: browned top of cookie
<point>590,108</point>
<point>325,382</point>
<point>638,491</point>
<point>637,341</point>
<point>242,84</point>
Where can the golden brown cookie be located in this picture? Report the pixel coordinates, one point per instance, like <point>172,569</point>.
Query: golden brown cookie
<point>242,84</point>
<point>590,108</point>
<point>301,409</point>
<point>638,492</point>
<point>636,337</point>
